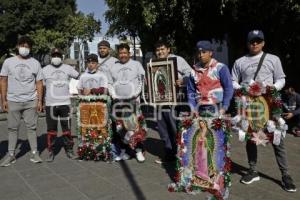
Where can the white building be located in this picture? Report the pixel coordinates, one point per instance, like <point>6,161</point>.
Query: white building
<point>79,51</point>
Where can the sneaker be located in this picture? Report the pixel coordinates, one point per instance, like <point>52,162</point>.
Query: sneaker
<point>140,156</point>
<point>250,177</point>
<point>124,155</point>
<point>11,159</point>
<point>35,158</point>
<point>71,155</point>
<point>296,133</point>
<point>50,156</point>
<point>288,184</point>
<point>118,158</point>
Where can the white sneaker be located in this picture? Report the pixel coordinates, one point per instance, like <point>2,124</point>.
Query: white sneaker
<point>117,158</point>
<point>139,155</point>
<point>124,155</point>
<point>35,158</point>
<point>10,159</point>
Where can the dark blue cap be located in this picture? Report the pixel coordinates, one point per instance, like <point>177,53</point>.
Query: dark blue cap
<point>255,34</point>
<point>204,45</point>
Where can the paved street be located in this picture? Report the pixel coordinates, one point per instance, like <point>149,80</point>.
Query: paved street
<point>66,179</point>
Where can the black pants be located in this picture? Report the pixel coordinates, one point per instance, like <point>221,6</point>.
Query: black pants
<point>58,113</point>
<point>280,155</point>
<point>53,115</point>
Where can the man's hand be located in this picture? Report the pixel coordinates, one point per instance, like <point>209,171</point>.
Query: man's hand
<point>288,115</point>
<point>179,82</point>
<point>86,91</point>
<point>222,111</point>
<point>40,106</point>
<point>5,106</point>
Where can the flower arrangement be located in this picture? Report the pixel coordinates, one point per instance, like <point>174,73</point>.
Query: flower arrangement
<point>94,143</point>
<point>273,126</point>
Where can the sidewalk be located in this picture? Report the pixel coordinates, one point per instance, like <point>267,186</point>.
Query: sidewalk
<point>66,179</point>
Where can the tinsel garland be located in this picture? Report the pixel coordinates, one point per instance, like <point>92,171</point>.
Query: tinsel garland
<point>93,147</point>
<point>274,129</point>
<point>180,184</point>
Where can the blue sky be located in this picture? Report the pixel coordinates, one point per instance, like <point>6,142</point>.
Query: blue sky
<point>98,7</point>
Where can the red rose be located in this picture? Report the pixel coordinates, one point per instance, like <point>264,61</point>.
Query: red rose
<point>238,93</point>
<point>255,90</point>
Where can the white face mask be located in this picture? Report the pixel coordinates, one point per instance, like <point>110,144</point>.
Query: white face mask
<point>23,51</point>
<point>56,61</point>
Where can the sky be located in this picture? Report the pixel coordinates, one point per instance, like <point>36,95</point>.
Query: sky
<point>98,7</point>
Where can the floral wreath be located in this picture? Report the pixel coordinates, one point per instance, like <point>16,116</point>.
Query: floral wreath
<point>179,185</point>
<point>274,129</point>
<point>91,148</point>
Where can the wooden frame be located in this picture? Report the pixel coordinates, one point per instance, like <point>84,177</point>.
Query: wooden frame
<point>161,76</point>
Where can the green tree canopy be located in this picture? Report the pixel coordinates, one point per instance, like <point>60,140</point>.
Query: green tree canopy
<point>20,17</point>
<point>184,22</point>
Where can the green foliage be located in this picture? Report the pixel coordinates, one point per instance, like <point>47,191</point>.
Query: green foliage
<point>82,27</point>
<point>45,40</point>
<point>184,22</point>
<point>20,17</point>
<point>50,23</point>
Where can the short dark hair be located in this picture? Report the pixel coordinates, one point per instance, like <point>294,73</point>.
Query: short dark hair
<point>123,46</point>
<point>25,40</point>
<point>92,58</point>
<point>161,43</point>
<point>104,43</point>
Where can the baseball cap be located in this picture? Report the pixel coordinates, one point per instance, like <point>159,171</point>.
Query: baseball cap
<point>255,34</point>
<point>204,45</point>
<point>104,43</point>
<point>92,58</point>
<point>56,51</point>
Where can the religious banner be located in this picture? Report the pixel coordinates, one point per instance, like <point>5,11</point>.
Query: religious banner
<point>203,162</point>
<point>258,118</point>
<point>94,127</point>
<point>161,76</point>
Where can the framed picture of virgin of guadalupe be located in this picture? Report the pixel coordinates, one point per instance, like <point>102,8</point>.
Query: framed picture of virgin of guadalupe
<point>161,76</point>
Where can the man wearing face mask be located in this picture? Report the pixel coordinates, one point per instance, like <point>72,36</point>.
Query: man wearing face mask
<point>21,90</point>
<point>57,98</point>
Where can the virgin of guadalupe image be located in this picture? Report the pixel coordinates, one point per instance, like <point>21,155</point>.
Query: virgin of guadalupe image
<point>160,83</point>
<point>203,147</point>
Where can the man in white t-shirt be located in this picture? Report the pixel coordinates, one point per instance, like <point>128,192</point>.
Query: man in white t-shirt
<point>21,90</point>
<point>56,78</point>
<point>271,73</point>
<point>127,82</point>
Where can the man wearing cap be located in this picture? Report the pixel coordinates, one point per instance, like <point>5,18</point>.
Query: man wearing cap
<point>244,72</point>
<point>106,61</point>
<point>93,81</point>
<point>210,85</point>
<point>58,102</point>
<point>21,90</point>
<point>166,122</point>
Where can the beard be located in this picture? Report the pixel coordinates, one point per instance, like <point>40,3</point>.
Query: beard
<point>103,56</point>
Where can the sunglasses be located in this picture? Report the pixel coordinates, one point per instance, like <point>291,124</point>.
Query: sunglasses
<point>256,40</point>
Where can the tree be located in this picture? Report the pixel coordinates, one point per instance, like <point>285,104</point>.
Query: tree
<point>20,17</point>
<point>82,28</point>
<point>183,22</point>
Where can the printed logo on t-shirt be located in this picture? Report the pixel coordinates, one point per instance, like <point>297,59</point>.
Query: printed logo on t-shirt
<point>23,74</point>
<point>91,83</point>
<point>123,75</point>
<point>59,78</point>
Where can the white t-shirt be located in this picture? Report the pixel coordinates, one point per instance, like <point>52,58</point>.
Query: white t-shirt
<point>56,80</point>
